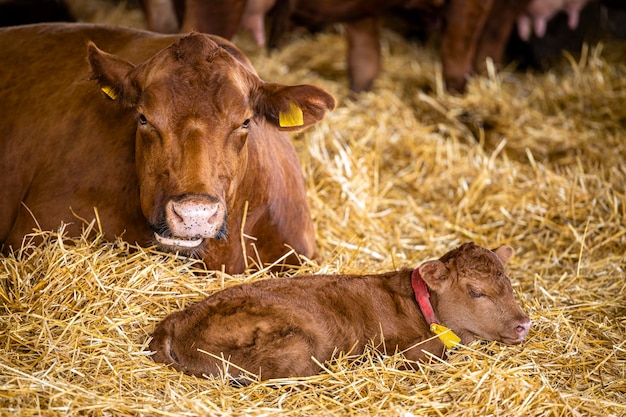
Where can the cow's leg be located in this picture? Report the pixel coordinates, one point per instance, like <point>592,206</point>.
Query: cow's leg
<point>363,53</point>
<point>289,357</point>
<point>280,16</point>
<point>497,31</point>
<point>161,16</point>
<point>465,20</point>
<point>254,18</point>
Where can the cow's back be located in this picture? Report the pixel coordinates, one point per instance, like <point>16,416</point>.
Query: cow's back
<point>56,130</point>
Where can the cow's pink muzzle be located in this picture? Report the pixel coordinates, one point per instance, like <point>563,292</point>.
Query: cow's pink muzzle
<point>191,220</point>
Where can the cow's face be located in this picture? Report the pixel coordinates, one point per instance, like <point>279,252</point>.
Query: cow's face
<point>473,294</point>
<point>196,103</point>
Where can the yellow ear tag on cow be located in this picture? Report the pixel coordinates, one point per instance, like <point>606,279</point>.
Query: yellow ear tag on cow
<point>446,335</point>
<point>109,91</point>
<point>291,118</point>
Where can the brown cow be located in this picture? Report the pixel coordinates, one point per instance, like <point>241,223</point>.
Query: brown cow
<point>360,19</point>
<point>173,139</point>
<point>473,30</point>
<point>274,327</point>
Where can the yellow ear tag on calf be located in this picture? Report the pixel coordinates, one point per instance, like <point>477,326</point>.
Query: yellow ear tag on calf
<point>446,335</point>
<point>291,118</point>
<point>109,91</point>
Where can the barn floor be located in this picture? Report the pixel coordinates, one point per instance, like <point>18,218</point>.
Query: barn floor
<point>395,177</point>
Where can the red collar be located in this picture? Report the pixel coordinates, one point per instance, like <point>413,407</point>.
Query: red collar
<point>422,297</point>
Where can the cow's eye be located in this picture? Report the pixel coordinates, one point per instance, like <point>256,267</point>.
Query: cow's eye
<point>143,120</point>
<point>476,293</point>
<point>246,124</point>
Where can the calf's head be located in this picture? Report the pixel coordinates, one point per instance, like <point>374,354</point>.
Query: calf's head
<point>195,103</point>
<point>472,294</point>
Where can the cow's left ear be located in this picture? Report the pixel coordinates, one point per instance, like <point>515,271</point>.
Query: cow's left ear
<point>435,274</point>
<point>111,72</point>
<point>504,253</point>
<point>292,107</point>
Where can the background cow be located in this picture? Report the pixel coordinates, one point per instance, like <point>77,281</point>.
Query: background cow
<point>472,29</point>
<point>174,140</point>
<point>274,327</point>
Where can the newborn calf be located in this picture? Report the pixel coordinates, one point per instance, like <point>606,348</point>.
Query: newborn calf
<point>272,328</point>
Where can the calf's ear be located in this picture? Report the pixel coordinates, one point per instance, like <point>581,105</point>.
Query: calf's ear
<point>435,274</point>
<point>111,73</point>
<point>292,107</point>
<point>504,253</point>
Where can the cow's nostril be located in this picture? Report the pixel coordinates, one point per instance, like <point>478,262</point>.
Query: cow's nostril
<point>175,212</point>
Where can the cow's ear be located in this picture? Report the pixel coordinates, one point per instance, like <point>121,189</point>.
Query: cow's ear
<point>504,253</point>
<point>292,107</point>
<point>111,73</point>
<point>435,274</point>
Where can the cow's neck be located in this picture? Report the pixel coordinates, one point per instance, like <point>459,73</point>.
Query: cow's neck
<point>422,296</point>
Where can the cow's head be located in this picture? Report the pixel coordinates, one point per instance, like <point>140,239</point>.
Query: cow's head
<point>195,103</point>
<point>472,294</point>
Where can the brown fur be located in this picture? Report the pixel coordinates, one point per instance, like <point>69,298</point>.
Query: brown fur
<point>473,29</point>
<point>274,327</point>
<point>172,156</point>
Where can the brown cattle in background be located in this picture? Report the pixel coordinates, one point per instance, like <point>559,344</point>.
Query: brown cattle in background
<point>173,139</point>
<point>273,328</point>
<point>472,29</point>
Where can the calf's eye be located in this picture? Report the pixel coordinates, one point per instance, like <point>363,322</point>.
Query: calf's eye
<point>246,124</point>
<point>476,294</point>
<point>143,120</point>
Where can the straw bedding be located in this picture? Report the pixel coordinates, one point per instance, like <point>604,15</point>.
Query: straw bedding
<point>395,177</point>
